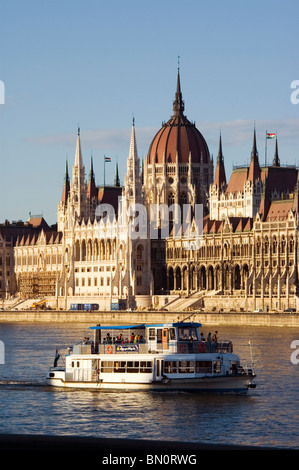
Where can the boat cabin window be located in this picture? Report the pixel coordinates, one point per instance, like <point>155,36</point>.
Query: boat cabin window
<point>126,366</point>
<point>159,335</point>
<point>170,367</point>
<point>188,332</point>
<point>152,334</point>
<point>155,334</point>
<point>76,364</point>
<point>172,335</point>
<point>186,367</point>
<point>107,366</point>
<point>204,367</point>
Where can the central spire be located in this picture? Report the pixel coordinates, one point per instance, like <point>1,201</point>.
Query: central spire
<point>178,104</point>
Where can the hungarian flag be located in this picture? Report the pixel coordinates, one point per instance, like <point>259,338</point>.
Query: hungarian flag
<point>270,135</point>
<point>107,159</point>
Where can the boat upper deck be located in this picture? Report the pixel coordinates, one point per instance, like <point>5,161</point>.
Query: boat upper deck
<point>172,338</point>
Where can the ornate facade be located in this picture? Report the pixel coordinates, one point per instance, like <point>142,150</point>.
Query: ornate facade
<point>103,249</point>
<point>249,253</point>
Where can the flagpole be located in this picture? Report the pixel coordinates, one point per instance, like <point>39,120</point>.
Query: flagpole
<point>266,150</point>
<point>104,169</point>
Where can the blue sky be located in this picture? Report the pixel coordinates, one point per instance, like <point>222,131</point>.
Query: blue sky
<point>96,64</point>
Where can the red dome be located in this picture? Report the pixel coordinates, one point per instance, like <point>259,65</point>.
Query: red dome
<point>179,137</point>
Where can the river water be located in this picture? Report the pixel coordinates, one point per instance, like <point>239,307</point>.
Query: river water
<point>267,416</point>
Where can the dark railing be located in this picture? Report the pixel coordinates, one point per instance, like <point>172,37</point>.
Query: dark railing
<point>181,347</point>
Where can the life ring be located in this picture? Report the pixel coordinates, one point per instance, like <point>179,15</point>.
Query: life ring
<point>182,348</point>
<point>201,348</point>
<point>109,349</point>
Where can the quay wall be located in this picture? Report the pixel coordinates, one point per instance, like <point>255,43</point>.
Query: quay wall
<point>121,318</point>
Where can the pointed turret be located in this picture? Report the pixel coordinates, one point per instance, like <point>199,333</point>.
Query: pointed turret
<point>265,201</point>
<point>116,180</point>
<point>78,168</point>
<point>276,161</point>
<point>92,191</point>
<point>220,178</point>
<point>66,185</point>
<point>78,154</point>
<point>254,172</point>
<point>133,176</point>
<point>78,190</point>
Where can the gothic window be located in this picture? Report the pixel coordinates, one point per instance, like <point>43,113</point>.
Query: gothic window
<point>283,244</point>
<point>108,249</point>
<point>183,198</point>
<point>96,250</point>
<point>139,252</point>
<point>102,250</point>
<point>274,245</point>
<point>292,244</point>
<point>83,251</point>
<point>170,199</point>
<point>258,246</point>
<point>266,246</point>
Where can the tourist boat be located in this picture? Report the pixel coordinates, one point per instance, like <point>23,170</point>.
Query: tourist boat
<point>158,357</point>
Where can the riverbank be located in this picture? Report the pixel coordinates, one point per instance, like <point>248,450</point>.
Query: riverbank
<point>123,317</point>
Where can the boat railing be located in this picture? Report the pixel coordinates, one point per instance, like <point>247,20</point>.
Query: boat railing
<point>180,347</point>
<point>204,347</point>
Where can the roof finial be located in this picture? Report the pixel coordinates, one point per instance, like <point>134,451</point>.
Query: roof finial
<point>178,104</point>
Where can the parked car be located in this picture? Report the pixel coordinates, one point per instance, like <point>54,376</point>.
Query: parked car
<point>290,310</point>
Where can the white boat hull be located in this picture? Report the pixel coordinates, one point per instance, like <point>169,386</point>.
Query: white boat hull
<point>222,384</point>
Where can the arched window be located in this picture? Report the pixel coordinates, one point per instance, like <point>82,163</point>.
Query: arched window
<point>139,252</point>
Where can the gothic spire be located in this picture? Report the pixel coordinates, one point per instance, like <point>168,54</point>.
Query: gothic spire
<point>116,180</point>
<point>133,177</point>
<point>220,178</point>
<point>91,188</point>
<point>254,171</point>
<point>78,154</point>
<point>66,185</point>
<point>276,161</point>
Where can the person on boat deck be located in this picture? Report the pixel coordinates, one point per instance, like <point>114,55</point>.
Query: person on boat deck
<point>202,337</point>
<point>119,338</point>
<point>132,338</point>
<point>108,339</point>
<point>136,338</point>
<point>215,337</point>
<point>190,342</point>
<point>214,341</point>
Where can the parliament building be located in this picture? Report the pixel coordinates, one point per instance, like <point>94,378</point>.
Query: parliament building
<point>247,258</point>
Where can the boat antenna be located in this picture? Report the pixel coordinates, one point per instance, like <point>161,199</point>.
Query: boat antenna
<point>189,316</point>
<point>249,343</point>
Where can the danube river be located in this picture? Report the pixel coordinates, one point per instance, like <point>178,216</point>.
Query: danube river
<point>268,416</point>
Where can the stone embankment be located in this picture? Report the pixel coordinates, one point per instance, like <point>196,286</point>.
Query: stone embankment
<point>123,317</point>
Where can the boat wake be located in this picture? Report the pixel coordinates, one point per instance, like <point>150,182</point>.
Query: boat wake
<point>21,383</point>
